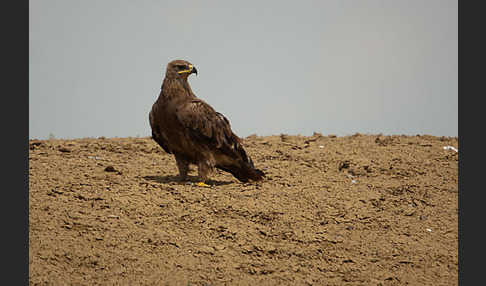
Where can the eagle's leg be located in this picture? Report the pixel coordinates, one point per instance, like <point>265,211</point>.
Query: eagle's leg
<point>204,170</point>
<point>183,167</point>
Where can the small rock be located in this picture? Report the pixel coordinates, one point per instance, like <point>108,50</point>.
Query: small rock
<point>110,169</point>
<point>33,145</point>
<point>450,148</point>
<point>64,149</point>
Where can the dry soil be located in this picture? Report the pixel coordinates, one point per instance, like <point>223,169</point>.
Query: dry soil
<point>351,210</point>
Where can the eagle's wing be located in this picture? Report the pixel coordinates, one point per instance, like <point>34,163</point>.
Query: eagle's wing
<point>204,123</point>
<point>157,135</point>
<point>212,129</point>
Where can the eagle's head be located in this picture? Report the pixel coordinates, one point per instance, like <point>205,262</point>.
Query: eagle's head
<point>180,69</point>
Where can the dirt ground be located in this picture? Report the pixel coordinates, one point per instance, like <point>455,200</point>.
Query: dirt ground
<point>351,210</point>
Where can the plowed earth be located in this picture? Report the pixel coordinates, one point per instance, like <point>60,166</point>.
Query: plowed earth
<point>352,210</point>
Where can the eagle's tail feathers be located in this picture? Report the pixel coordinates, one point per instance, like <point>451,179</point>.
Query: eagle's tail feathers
<point>245,172</point>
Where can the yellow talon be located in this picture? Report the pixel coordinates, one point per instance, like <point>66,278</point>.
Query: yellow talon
<point>202,184</point>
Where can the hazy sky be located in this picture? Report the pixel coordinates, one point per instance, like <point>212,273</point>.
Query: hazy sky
<point>335,67</point>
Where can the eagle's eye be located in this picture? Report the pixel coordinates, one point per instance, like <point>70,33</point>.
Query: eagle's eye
<point>181,67</point>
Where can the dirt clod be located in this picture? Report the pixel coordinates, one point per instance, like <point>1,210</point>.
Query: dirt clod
<point>110,169</point>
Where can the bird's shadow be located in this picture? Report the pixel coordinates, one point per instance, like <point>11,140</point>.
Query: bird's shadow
<point>190,179</point>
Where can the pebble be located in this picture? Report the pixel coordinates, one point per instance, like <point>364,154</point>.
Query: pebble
<point>110,169</point>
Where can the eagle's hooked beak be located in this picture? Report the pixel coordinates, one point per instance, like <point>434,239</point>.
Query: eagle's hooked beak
<point>191,69</point>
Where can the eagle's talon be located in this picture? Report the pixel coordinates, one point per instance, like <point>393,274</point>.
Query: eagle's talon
<point>202,184</point>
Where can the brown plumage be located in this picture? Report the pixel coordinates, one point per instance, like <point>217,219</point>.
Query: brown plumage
<point>194,132</point>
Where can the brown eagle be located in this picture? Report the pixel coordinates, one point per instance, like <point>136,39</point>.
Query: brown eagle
<point>194,132</point>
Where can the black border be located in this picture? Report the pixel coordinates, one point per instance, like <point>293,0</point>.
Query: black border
<point>471,126</point>
<point>15,145</point>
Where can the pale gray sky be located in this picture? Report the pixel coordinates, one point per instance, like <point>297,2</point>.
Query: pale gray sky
<point>335,67</point>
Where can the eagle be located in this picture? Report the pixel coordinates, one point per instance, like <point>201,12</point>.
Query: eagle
<point>190,129</point>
